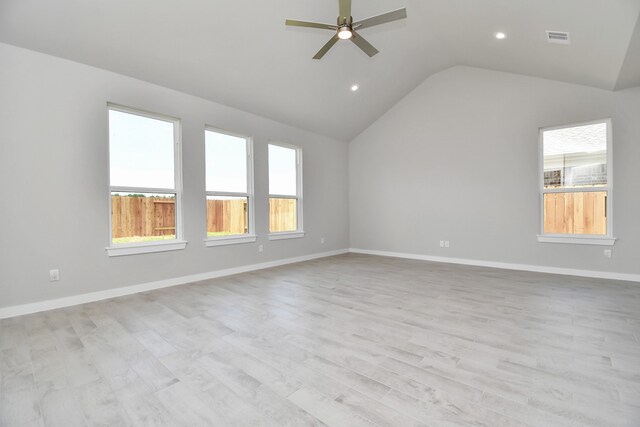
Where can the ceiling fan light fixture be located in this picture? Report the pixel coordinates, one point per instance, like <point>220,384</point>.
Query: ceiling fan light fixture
<point>344,33</point>
<point>344,28</point>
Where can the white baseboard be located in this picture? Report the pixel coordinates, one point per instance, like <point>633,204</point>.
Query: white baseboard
<point>506,265</point>
<point>19,310</point>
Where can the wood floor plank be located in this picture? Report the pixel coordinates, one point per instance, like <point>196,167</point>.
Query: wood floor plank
<point>100,405</point>
<point>143,407</point>
<point>188,407</point>
<point>346,340</point>
<point>327,410</point>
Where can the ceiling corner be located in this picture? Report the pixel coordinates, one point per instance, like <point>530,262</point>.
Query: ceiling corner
<point>630,72</point>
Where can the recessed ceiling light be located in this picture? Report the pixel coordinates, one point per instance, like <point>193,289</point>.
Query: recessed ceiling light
<point>355,87</point>
<point>501,36</point>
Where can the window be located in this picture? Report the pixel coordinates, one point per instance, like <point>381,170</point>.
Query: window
<point>229,186</point>
<point>144,182</point>
<point>285,192</point>
<point>576,183</point>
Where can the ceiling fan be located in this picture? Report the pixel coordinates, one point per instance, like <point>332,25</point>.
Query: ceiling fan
<point>345,29</point>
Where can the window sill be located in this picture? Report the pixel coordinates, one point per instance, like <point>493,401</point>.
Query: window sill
<point>578,240</point>
<point>230,240</point>
<point>144,248</point>
<point>286,235</point>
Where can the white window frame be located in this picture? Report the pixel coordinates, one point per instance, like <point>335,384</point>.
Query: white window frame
<point>580,239</point>
<point>250,237</point>
<point>156,246</point>
<point>299,233</point>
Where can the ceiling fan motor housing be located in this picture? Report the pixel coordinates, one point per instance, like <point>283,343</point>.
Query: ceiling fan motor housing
<point>345,29</point>
<point>344,21</point>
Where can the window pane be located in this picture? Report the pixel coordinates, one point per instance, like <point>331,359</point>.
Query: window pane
<point>282,171</point>
<point>575,213</point>
<point>575,156</point>
<point>142,217</point>
<point>227,216</point>
<point>283,215</point>
<point>226,162</point>
<point>140,151</point>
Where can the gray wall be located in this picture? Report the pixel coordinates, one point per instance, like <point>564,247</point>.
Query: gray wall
<point>457,160</point>
<point>53,168</point>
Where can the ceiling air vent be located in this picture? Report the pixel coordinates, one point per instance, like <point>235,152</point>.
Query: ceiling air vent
<point>561,37</point>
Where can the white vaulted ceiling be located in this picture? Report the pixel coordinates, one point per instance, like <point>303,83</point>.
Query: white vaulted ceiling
<point>240,53</point>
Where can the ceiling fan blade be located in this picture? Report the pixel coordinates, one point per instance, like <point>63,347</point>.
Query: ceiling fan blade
<point>364,45</point>
<point>307,24</point>
<point>381,19</point>
<point>326,47</point>
<point>345,11</point>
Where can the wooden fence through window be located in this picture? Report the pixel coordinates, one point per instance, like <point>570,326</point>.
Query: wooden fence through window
<point>227,216</point>
<point>282,215</point>
<point>575,213</point>
<point>142,216</point>
<point>135,216</point>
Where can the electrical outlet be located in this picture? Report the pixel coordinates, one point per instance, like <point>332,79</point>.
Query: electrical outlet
<point>442,243</point>
<point>260,248</point>
<point>322,240</point>
<point>607,253</point>
<point>54,275</point>
<point>446,243</point>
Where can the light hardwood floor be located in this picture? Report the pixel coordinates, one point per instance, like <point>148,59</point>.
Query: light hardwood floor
<point>346,341</point>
